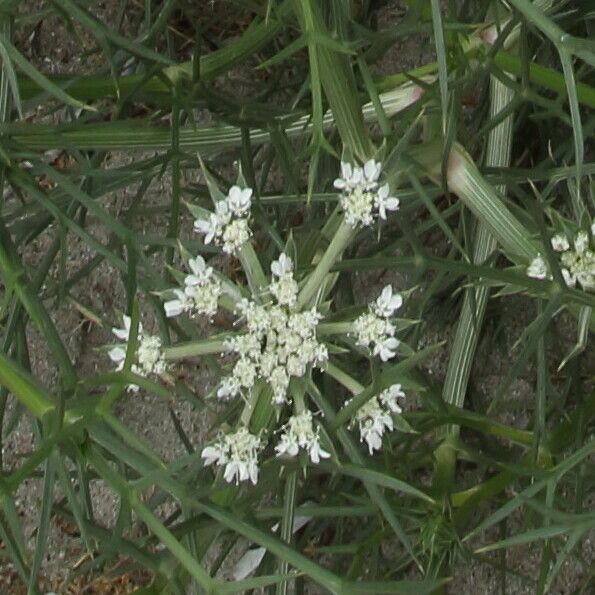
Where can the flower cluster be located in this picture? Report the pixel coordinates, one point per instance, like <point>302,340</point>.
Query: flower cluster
<point>200,294</point>
<point>279,342</point>
<point>228,225</point>
<point>362,197</point>
<point>374,329</point>
<point>375,417</point>
<point>238,453</point>
<point>577,260</point>
<point>299,433</point>
<point>148,358</point>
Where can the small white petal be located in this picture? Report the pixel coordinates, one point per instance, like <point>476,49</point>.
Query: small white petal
<point>346,170</point>
<point>211,455</point>
<point>560,243</point>
<point>117,354</point>
<point>372,170</point>
<point>198,265</point>
<point>173,308</point>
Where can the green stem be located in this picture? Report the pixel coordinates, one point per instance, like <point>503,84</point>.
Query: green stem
<point>287,525</point>
<point>476,298</point>
<point>350,383</point>
<point>334,328</point>
<point>194,348</point>
<point>314,282</point>
<point>257,280</point>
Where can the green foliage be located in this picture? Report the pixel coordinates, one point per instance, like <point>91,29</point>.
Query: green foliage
<point>486,148</point>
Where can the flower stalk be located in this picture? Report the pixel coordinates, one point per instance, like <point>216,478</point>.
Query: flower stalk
<point>340,240</point>
<point>194,348</point>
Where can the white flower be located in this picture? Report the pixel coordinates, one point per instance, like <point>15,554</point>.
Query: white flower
<point>278,343</point>
<point>177,306</point>
<point>239,200</point>
<point>229,388</point>
<point>388,398</point>
<point>238,453</point>
<point>228,225</point>
<point>374,418</point>
<point>577,262</point>
<point>285,290</point>
<point>299,433</point>
<point>201,292</point>
<point>560,243</point>
<point>148,359</point>
<point>385,348</point>
<point>538,268</point>
<point>235,235</point>
<point>373,329</point>
<point>124,333</point>
<point>201,273</point>
<point>282,266</point>
<point>279,381</point>
<point>361,196</point>
<point>358,206</point>
<point>388,303</point>
<point>372,171</point>
<point>581,262</point>
<point>373,421</point>
<point>208,227</point>
<point>384,202</point>
<point>245,372</point>
<point>150,356</point>
<point>352,177</point>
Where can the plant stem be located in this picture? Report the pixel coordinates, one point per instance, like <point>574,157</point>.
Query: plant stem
<point>340,240</point>
<point>194,348</point>
<point>476,298</point>
<point>287,525</point>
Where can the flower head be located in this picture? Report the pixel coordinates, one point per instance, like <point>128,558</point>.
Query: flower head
<point>148,359</point>
<point>374,418</point>
<point>361,195</point>
<point>228,225</point>
<point>577,261</point>
<point>374,329</point>
<point>284,287</point>
<point>200,294</point>
<point>373,421</point>
<point>279,343</point>
<point>299,433</point>
<point>238,453</point>
<point>389,398</point>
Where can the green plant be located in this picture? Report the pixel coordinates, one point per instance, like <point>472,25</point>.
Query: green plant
<point>424,189</point>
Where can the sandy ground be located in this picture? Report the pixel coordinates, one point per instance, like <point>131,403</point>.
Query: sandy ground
<point>150,417</point>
